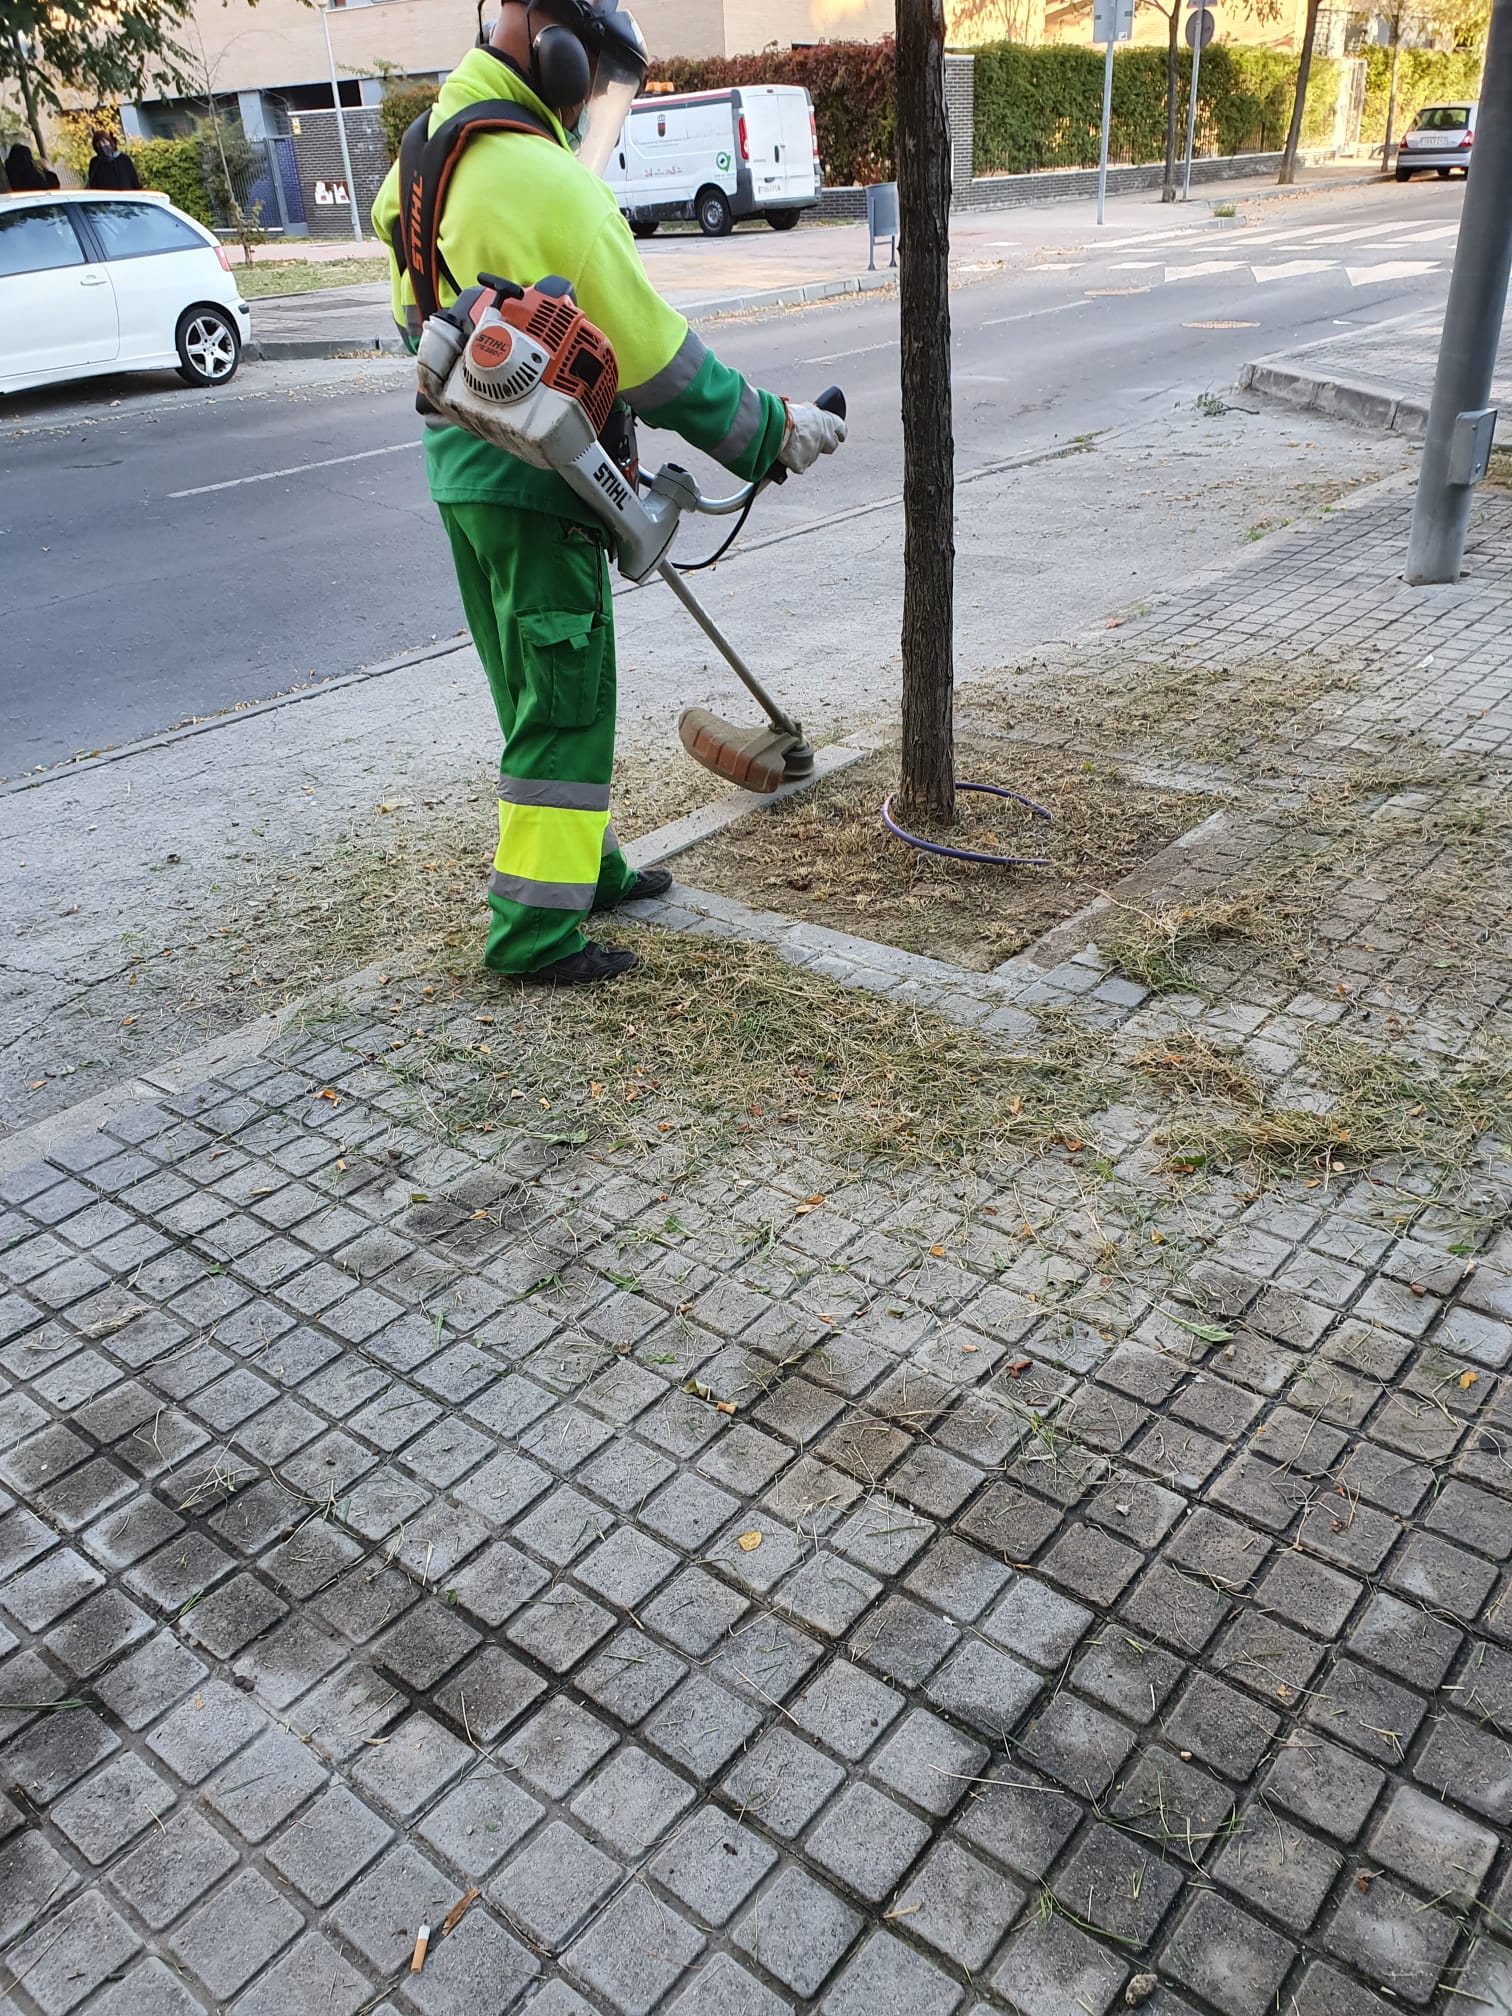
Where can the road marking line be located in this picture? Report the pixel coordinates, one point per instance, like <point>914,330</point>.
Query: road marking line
<point>1391,269</point>
<point>1202,271</point>
<point>1029,314</point>
<point>1293,269</point>
<point>866,349</point>
<point>299,469</point>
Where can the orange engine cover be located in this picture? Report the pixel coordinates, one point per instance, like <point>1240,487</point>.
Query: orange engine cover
<point>582,363</point>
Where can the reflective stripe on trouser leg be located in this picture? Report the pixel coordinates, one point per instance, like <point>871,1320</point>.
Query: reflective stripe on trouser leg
<point>548,856</point>
<point>535,589</point>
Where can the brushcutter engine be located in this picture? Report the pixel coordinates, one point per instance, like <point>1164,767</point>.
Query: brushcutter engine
<point>524,369</point>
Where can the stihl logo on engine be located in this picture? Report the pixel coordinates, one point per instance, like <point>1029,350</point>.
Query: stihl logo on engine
<point>491,347</point>
<point>617,492</point>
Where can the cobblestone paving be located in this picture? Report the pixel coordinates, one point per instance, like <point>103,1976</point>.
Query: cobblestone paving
<point>754,1586</point>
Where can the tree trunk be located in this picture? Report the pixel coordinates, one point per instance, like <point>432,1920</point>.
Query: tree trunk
<point>1288,173</point>
<point>1396,57</point>
<point>29,98</point>
<point>927,785</point>
<point>1173,88</point>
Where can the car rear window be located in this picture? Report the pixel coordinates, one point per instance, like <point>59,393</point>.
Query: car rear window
<point>1443,119</point>
<point>134,230</point>
<point>33,240</point>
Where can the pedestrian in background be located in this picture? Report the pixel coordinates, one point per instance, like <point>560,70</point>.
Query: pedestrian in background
<point>23,174</point>
<point>110,168</point>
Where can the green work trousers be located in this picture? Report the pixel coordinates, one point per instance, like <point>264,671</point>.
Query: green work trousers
<point>535,590</point>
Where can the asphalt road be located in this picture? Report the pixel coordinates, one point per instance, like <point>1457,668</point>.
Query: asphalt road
<point>166,558</point>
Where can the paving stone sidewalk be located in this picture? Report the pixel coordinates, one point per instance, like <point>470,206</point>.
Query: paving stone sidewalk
<point>755,1587</point>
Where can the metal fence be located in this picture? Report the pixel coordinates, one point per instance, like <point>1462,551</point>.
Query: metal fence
<point>264,178</point>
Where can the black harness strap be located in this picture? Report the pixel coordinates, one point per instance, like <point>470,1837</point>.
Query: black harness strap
<point>426,162</point>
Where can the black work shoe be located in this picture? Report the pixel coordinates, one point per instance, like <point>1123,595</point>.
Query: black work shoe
<point>594,962</point>
<point>647,882</point>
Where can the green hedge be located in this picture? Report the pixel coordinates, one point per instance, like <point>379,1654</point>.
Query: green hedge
<point>1041,107</point>
<point>851,84</point>
<point>400,107</point>
<point>1424,77</point>
<point>1036,107</point>
<point>176,167</point>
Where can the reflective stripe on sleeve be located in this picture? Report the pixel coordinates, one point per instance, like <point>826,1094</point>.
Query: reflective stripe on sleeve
<point>746,426</point>
<point>551,791</point>
<point>673,378</point>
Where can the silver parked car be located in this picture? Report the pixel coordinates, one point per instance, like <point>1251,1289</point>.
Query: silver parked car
<point>1438,140</point>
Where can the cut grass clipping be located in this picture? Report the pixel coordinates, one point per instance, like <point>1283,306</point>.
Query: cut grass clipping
<point>711,1041</point>
<point>1370,1106</point>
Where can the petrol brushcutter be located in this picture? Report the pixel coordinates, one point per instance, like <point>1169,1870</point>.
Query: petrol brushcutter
<point>523,368</point>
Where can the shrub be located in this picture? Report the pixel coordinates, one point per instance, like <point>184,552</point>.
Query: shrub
<point>1041,107</point>
<point>851,84</point>
<point>399,108</point>
<point>174,167</point>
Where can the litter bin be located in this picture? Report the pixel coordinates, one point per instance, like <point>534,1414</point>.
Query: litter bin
<point>881,221</point>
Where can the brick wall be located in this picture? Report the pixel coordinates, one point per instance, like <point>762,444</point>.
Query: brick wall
<point>317,149</point>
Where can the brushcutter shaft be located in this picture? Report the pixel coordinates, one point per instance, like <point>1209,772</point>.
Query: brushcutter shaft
<point>679,586</point>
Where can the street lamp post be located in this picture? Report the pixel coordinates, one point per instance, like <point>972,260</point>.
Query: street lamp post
<point>1459,422</point>
<point>346,152</point>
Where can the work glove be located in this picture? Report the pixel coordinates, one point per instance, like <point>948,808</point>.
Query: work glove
<point>810,433</point>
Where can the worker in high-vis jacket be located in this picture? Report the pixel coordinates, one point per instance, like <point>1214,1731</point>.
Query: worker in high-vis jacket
<point>531,558</point>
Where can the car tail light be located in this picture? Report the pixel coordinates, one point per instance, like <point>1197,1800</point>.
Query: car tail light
<point>1466,141</point>
<point>814,133</point>
<point>745,151</point>
<point>220,253</point>
<point>1402,144</point>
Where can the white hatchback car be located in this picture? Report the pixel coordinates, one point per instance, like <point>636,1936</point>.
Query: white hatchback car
<point>1440,138</point>
<point>96,280</point>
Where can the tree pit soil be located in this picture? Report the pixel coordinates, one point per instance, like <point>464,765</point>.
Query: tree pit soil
<point>823,855</point>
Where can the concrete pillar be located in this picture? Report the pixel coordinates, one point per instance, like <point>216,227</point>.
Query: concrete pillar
<point>960,71</point>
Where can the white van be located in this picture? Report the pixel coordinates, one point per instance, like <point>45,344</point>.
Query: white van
<point>751,151</point>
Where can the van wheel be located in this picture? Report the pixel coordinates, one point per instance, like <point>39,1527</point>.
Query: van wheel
<point>645,229</point>
<point>208,345</point>
<point>715,217</point>
<point>782,220</point>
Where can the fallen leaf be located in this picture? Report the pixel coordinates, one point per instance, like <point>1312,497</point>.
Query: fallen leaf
<point>459,1911</point>
<point>724,1406</point>
<point>1467,1380</point>
<point>1018,1366</point>
<point>1362,1881</point>
<point>330,1094</point>
<point>749,1542</point>
<point>938,1252</point>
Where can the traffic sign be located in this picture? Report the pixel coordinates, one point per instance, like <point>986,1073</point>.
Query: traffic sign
<point>1200,23</point>
<point>1112,20</point>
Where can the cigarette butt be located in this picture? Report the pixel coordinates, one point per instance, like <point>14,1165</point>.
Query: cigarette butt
<point>422,1940</point>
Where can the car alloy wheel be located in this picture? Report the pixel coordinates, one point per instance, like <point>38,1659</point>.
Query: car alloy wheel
<point>210,347</point>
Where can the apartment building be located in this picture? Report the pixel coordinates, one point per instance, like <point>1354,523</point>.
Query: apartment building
<point>272,61</point>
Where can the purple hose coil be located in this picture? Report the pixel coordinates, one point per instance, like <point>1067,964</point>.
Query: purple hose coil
<point>966,853</point>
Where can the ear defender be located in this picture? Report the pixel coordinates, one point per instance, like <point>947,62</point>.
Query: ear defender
<point>560,63</point>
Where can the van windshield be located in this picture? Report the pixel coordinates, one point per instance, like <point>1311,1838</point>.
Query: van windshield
<point>1442,119</point>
